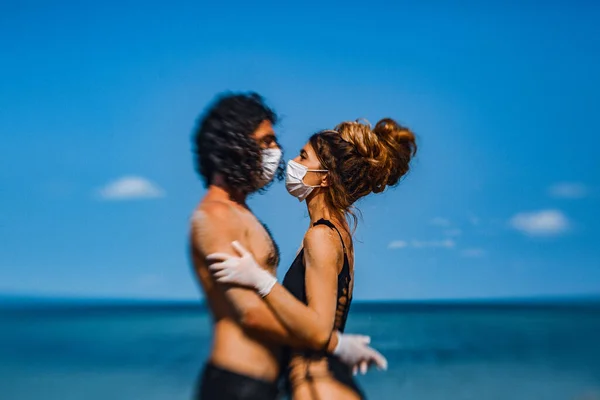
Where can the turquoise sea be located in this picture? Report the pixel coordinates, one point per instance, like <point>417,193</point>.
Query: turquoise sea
<point>152,351</point>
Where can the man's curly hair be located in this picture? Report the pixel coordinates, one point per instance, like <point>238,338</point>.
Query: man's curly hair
<point>223,142</point>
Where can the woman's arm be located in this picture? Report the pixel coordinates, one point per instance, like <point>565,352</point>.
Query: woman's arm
<point>251,312</point>
<point>312,322</point>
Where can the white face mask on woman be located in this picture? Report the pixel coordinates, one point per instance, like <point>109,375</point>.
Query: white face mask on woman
<point>294,183</point>
<point>270,163</point>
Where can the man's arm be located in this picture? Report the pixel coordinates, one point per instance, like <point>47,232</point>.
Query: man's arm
<point>213,230</point>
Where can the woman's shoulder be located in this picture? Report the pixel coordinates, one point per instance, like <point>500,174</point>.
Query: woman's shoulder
<point>323,241</point>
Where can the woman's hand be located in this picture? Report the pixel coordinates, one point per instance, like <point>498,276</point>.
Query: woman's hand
<point>354,350</point>
<point>241,270</point>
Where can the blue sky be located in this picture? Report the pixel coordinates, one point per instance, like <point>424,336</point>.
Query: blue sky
<point>98,101</point>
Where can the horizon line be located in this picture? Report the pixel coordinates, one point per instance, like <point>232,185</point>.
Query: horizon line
<point>48,298</point>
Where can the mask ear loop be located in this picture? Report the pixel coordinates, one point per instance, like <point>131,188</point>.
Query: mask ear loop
<point>321,171</point>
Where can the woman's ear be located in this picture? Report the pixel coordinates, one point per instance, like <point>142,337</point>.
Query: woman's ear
<point>325,179</point>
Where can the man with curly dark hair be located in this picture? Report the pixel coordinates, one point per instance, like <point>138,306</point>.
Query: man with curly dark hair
<point>237,154</point>
<point>231,141</point>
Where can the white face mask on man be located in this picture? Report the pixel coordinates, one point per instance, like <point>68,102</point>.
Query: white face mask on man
<point>294,180</point>
<point>270,162</point>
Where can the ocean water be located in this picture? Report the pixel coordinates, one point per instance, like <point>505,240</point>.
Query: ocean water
<point>435,351</point>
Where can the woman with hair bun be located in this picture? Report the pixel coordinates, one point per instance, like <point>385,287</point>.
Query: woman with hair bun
<point>332,171</point>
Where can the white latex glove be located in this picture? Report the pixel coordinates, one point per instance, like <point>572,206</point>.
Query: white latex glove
<point>242,270</point>
<point>354,350</point>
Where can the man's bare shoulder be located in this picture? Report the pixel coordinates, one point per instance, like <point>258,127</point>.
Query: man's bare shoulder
<point>214,221</point>
<point>213,211</point>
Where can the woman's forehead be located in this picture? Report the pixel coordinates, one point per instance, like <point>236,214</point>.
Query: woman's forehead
<point>310,151</point>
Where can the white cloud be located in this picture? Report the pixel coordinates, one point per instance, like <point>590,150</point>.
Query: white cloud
<point>448,243</point>
<point>568,190</point>
<point>453,232</point>
<point>439,221</point>
<point>130,187</point>
<point>473,252</point>
<point>420,244</point>
<point>541,223</point>
<point>474,220</point>
<point>397,244</point>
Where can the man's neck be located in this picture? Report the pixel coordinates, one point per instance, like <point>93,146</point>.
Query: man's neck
<point>218,189</point>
